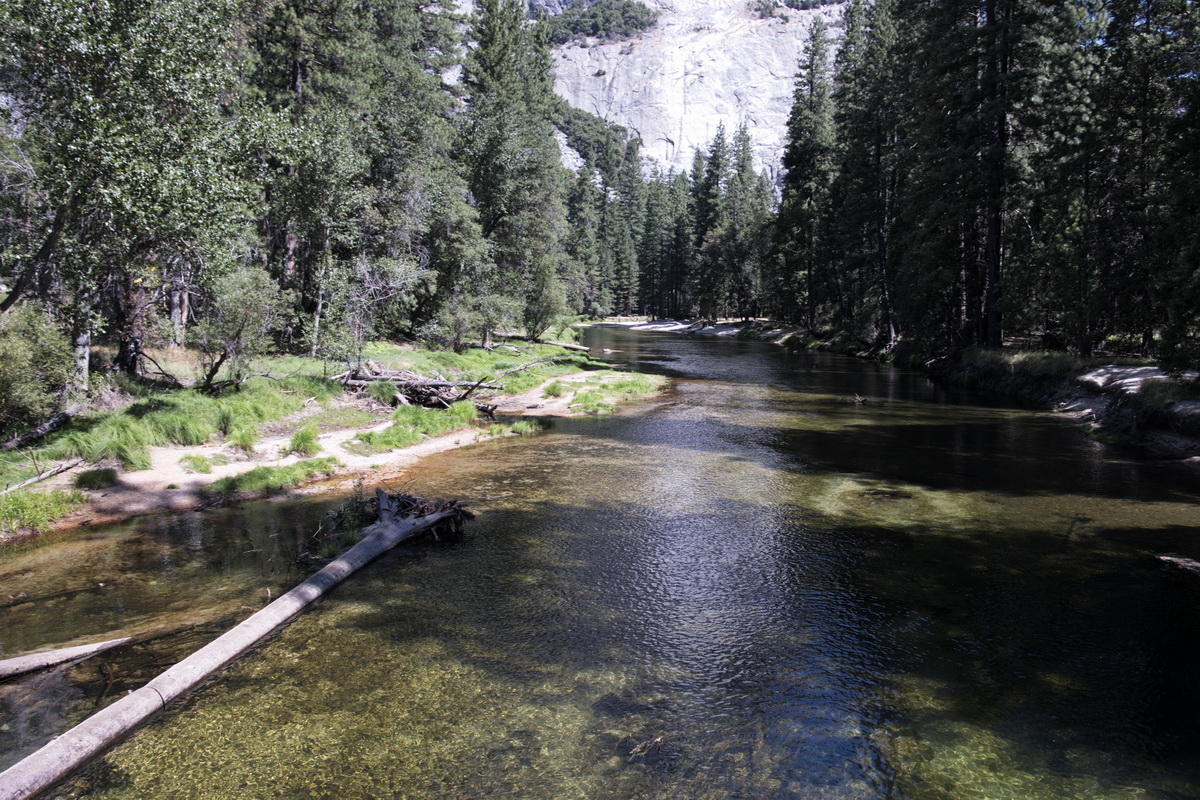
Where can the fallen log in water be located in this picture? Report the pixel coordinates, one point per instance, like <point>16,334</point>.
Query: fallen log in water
<point>400,518</point>
<point>19,665</point>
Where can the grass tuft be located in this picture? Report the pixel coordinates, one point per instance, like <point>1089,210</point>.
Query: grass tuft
<point>526,426</point>
<point>96,479</point>
<point>196,464</point>
<point>304,442</point>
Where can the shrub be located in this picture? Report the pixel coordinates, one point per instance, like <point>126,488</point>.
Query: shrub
<point>35,363</point>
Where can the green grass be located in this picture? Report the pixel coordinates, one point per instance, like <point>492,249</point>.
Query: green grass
<point>184,417</point>
<point>339,418</point>
<point>382,391</point>
<point>34,511</point>
<point>304,442</point>
<point>244,439</point>
<point>526,426</point>
<point>96,478</point>
<point>553,389</point>
<point>410,424</point>
<point>274,479</point>
<point>594,401</point>
<point>196,464</point>
<point>632,385</point>
<point>492,430</point>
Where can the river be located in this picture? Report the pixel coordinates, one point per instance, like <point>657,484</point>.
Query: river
<point>752,589</point>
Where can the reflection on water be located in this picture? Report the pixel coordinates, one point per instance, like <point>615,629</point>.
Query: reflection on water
<point>753,591</point>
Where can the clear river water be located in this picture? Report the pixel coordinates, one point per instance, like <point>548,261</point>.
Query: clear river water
<point>750,589</point>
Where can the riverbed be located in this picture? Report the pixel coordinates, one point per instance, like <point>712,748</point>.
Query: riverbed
<point>755,588</point>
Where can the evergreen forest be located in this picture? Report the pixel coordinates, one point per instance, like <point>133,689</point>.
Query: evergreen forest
<point>237,176</point>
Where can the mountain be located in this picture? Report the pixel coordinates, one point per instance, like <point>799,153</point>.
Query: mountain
<point>703,63</point>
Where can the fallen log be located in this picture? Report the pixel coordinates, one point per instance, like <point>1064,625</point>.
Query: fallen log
<point>22,598</point>
<point>367,380</point>
<point>400,518</point>
<point>19,665</point>
<point>49,426</point>
<point>568,346</point>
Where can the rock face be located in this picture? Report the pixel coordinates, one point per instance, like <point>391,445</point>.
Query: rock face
<point>705,62</point>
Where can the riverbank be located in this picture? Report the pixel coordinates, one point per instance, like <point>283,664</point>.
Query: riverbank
<point>1130,405</point>
<point>182,477</point>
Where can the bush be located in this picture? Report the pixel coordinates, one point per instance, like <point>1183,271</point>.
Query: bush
<point>608,20</point>
<point>35,363</point>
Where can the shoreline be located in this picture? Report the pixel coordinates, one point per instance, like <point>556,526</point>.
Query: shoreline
<point>1107,400</point>
<point>168,487</point>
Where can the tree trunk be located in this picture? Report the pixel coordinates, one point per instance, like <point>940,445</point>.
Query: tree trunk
<point>178,301</point>
<point>82,345</point>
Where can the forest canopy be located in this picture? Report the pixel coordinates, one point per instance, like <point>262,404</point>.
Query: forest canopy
<point>343,172</point>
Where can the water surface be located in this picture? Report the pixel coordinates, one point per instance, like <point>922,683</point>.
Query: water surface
<point>753,590</point>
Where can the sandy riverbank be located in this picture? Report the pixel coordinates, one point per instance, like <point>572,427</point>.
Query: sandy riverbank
<point>169,485</point>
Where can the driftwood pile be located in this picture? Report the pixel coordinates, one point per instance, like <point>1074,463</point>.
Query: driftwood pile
<point>414,389</point>
<point>436,392</point>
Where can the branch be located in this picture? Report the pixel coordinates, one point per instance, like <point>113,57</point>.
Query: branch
<point>50,473</point>
<point>52,424</point>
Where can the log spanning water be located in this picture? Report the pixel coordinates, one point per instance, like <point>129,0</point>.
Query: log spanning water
<point>401,518</point>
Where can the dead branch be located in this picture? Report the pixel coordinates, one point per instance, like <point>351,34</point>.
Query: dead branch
<point>50,425</point>
<point>50,473</point>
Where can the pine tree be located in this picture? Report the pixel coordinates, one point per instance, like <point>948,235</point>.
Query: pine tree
<point>514,173</point>
<point>808,162</point>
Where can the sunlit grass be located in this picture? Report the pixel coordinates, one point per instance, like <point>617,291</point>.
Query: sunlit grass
<point>411,424</point>
<point>274,479</point>
<point>186,417</point>
<point>34,511</point>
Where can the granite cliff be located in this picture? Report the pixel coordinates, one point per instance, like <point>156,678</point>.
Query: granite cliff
<point>705,62</point>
